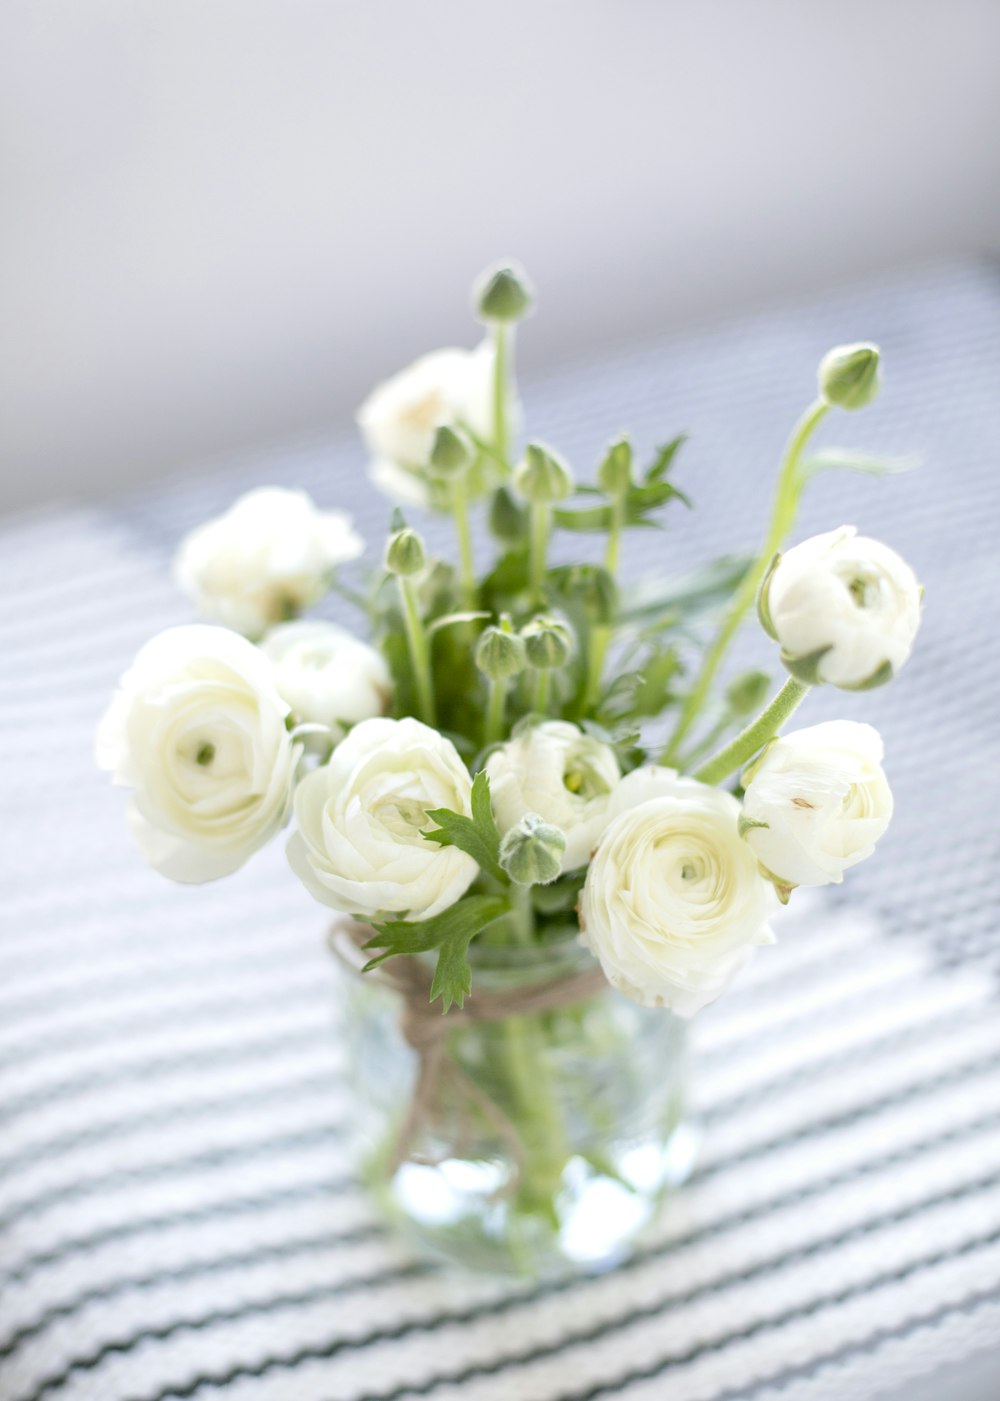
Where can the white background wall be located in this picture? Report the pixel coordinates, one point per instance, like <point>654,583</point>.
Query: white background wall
<point>226,218</point>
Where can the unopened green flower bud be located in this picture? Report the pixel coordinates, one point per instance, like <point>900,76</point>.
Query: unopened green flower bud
<point>500,653</point>
<point>542,477</point>
<point>405,553</point>
<point>747,693</point>
<point>594,589</point>
<point>503,293</point>
<point>548,643</point>
<point>508,518</point>
<point>451,452</point>
<point>614,476</point>
<point>531,852</point>
<point>849,375</point>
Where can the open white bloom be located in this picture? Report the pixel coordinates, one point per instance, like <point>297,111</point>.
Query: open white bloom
<point>265,559</point>
<point>197,730</point>
<point>844,608</point>
<point>360,845</point>
<point>326,675</point>
<point>816,802</point>
<point>565,776</point>
<point>399,418</point>
<point>674,905</point>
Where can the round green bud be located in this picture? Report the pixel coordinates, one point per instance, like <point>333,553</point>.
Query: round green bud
<point>849,375</point>
<point>542,477</point>
<point>531,852</point>
<point>452,451</point>
<point>508,518</point>
<point>499,654</point>
<point>548,643</point>
<point>503,293</point>
<point>594,589</point>
<point>614,476</point>
<point>405,553</point>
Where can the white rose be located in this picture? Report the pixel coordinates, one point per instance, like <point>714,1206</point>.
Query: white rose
<point>673,903</point>
<point>560,773</point>
<point>327,676</point>
<point>399,418</point>
<point>265,559</point>
<point>360,845</point>
<point>821,799</point>
<point>197,729</point>
<point>844,608</point>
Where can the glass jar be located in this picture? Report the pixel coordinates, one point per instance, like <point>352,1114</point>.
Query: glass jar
<point>523,1141</point>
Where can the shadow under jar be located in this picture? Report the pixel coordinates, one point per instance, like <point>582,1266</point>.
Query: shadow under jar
<point>537,1129</point>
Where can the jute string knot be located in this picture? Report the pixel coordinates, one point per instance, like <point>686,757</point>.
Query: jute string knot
<point>425,1029</point>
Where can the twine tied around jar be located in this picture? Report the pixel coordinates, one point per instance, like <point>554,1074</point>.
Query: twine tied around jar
<point>425,1029</point>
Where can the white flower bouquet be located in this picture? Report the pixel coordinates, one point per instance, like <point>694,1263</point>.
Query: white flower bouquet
<point>527,786</point>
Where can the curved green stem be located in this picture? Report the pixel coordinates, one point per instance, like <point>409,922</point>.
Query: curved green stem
<point>420,654</point>
<point>541,516</point>
<point>542,691</point>
<point>494,712</point>
<point>502,349</point>
<point>467,564</point>
<point>755,736</point>
<point>782,517</point>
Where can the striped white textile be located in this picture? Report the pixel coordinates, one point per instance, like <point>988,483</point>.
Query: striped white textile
<point>178,1217</point>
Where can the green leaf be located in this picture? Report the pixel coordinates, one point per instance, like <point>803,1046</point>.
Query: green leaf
<point>702,589</point>
<point>449,620</point>
<point>477,835</point>
<point>664,459</point>
<point>640,503</point>
<point>850,460</point>
<point>450,932</point>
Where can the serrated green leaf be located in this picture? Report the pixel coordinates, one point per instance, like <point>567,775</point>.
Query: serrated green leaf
<point>850,460</point>
<point>476,835</point>
<point>450,932</point>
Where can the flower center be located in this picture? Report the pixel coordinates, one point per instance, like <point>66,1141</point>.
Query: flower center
<point>205,754</point>
<point>405,817</point>
<point>581,778</point>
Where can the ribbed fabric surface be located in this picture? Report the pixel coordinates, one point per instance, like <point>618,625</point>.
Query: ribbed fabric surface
<point>178,1217</point>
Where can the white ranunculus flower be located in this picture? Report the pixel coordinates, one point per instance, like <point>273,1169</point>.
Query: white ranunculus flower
<point>265,559</point>
<point>565,776</point>
<point>360,845</point>
<point>197,730</point>
<point>822,801</point>
<point>326,675</point>
<point>844,608</point>
<point>399,418</point>
<point>673,903</point>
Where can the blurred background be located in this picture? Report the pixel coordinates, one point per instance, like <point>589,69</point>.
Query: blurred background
<point>224,220</point>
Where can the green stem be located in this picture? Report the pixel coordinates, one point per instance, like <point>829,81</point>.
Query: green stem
<point>542,691</point>
<point>782,517</point>
<point>755,736</point>
<point>541,516</point>
<point>503,353</point>
<point>420,655</point>
<point>467,564</point>
<point>601,636</point>
<point>494,712</point>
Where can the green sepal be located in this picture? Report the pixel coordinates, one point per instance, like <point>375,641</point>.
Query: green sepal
<point>806,669</point>
<point>763,606</point>
<point>478,835</point>
<point>781,887</point>
<point>879,677</point>
<point>744,824</point>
